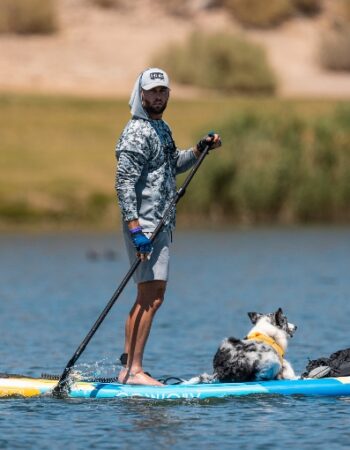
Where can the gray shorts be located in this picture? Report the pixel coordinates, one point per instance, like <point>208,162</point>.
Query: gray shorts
<point>157,267</point>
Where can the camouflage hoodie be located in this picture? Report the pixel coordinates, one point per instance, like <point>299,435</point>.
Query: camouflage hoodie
<point>148,162</point>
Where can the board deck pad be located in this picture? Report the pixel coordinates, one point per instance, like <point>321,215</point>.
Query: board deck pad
<point>22,386</point>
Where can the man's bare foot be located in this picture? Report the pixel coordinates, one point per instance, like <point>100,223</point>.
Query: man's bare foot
<point>128,377</point>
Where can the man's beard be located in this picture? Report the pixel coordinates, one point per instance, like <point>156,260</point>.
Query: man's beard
<point>154,109</point>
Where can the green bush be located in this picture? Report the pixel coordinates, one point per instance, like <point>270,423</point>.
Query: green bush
<point>28,16</point>
<point>335,49</point>
<point>276,167</point>
<point>258,13</point>
<point>218,61</point>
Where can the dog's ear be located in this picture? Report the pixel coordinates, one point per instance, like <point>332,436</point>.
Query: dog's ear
<point>254,317</point>
<point>279,317</point>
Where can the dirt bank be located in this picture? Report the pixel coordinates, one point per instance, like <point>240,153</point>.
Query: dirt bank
<point>99,52</point>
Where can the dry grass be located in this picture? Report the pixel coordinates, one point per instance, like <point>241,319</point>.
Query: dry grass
<point>344,9</point>
<point>107,4</point>
<point>258,13</point>
<point>308,7</point>
<point>28,16</point>
<point>180,8</point>
<point>335,49</point>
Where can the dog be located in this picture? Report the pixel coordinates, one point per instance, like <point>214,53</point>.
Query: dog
<point>258,357</point>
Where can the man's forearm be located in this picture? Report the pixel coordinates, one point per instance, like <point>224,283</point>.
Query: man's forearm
<point>196,152</point>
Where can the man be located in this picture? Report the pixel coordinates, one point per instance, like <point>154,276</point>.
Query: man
<point>148,162</point>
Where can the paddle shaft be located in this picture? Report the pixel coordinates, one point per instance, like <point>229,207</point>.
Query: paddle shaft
<point>64,378</point>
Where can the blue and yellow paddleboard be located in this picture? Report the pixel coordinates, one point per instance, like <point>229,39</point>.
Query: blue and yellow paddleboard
<point>32,387</point>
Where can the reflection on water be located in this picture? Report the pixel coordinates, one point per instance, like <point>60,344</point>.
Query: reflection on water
<point>52,288</point>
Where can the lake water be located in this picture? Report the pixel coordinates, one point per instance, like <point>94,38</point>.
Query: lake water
<point>52,289</point>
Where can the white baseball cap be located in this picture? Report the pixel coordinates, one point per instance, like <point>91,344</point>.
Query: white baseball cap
<point>154,77</point>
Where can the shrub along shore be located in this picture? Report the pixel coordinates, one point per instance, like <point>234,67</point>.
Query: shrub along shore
<point>283,161</point>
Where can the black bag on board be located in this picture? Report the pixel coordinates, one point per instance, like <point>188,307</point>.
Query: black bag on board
<point>336,365</point>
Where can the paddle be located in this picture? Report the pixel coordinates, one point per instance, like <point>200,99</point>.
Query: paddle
<point>61,387</point>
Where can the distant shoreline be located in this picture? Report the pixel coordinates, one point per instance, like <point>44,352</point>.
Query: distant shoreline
<point>58,164</point>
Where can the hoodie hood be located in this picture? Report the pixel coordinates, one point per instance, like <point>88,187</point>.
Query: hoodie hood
<point>135,102</point>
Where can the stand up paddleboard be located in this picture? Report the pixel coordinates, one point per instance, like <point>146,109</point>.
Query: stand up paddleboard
<point>15,385</point>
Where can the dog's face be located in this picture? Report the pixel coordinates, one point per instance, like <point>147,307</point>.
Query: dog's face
<point>277,319</point>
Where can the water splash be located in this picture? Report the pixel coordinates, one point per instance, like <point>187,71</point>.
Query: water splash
<point>105,367</point>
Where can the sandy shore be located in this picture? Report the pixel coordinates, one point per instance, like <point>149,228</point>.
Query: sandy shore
<point>100,52</point>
